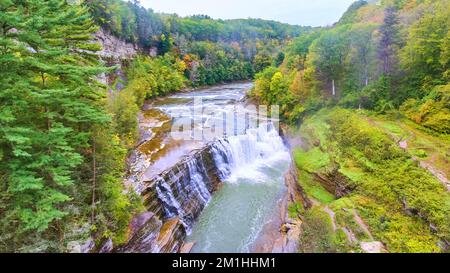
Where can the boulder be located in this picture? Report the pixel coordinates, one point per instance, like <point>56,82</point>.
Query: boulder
<point>373,247</point>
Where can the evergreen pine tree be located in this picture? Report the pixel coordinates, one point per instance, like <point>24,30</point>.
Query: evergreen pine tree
<point>49,101</point>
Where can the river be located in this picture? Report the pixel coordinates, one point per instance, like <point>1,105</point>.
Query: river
<point>251,163</point>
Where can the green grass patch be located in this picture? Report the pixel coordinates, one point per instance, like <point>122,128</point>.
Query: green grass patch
<point>318,235</point>
<point>399,232</point>
<point>342,203</point>
<point>419,153</point>
<point>423,144</point>
<point>344,213</point>
<point>314,189</point>
<point>315,130</point>
<point>341,243</point>
<point>312,160</point>
<point>354,174</point>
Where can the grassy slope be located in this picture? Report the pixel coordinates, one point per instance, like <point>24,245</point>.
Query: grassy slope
<point>385,179</point>
<point>424,146</point>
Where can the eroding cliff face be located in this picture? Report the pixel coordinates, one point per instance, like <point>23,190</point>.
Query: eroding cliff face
<point>145,232</point>
<point>152,235</point>
<point>184,189</point>
<point>114,48</point>
<point>334,182</point>
<point>174,200</point>
<point>115,52</point>
<point>291,227</point>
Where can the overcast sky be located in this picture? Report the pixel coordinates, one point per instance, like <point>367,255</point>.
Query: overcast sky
<point>299,12</point>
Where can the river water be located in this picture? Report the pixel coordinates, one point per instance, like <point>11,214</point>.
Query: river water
<point>252,162</point>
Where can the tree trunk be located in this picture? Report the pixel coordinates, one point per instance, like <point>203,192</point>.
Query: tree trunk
<point>94,181</point>
<point>334,88</point>
<point>366,75</point>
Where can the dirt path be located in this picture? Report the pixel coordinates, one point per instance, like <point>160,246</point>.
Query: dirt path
<point>429,167</point>
<point>332,216</point>
<point>362,224</point>
<point>437,173</point>
<point>350,236</point>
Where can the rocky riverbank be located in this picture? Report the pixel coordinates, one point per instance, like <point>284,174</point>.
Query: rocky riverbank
<point>281,234</point>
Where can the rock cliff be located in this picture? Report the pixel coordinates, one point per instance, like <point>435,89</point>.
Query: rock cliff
<point>114,48</point>
<point>115,52</point>
<point>174,200</point>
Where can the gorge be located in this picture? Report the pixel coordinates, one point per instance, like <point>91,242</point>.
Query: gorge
<point>129,130</point>
<point>220,194</point>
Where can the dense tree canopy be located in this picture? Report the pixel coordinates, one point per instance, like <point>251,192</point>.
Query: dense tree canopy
<point>376,57</point>
<point>52,119</point>
<point>231,49</point>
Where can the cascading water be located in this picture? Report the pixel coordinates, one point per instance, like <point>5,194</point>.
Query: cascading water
<point>222,154</point>
<point>183,184</point>
<point>251,166</point>
<point>198,175</point>
<point>171,206</point>
<point>234,155</point>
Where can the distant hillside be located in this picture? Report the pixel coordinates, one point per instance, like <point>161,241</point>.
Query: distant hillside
<point>134,23</point>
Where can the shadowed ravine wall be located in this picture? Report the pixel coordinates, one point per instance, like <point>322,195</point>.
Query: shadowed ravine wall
<point>174,200</point>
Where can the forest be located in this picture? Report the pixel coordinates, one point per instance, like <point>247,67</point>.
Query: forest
<point>353,92</point>
<point>392,56</point>
<point>64,140</point>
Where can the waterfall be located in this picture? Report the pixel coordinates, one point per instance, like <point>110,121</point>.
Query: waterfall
<point>178,185</point>
<point>251,166</point>
<point>197,175</point>
<point>236,154</point>
<point>171,206</point>
<point>222,155</point>
<point>184,191</point>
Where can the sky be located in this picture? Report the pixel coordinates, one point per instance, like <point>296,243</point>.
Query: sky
<point>296,12</point>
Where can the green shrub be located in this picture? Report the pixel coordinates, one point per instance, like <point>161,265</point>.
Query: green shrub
<point>432,112</point>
